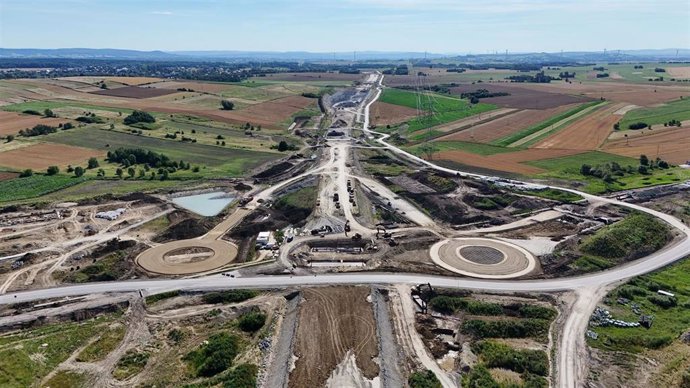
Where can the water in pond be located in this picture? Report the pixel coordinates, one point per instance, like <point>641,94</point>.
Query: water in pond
<point>207,204</point>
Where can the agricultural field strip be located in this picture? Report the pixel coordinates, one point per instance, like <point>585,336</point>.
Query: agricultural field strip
<point>468,122</point>
<point>553,127</point>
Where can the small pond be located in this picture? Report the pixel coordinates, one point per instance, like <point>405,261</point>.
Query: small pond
<point>206,204</point>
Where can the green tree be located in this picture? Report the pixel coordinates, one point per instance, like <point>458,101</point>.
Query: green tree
<point>92,163</point>
<point>119,172</point>
<point>282,146</point>
<point>52,170</point>
<point>79,171</point>
<point>227,105</point>
<point>26,173</point>
<point>131,171</point>
<point>9,138</point>
<point>49,113</point>
<point>139,116</point>
<point>644,160</point>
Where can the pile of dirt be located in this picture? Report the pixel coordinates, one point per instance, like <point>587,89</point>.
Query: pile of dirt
<point>182,228</point>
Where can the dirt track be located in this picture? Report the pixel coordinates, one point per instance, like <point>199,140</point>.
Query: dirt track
<point>333,321</point>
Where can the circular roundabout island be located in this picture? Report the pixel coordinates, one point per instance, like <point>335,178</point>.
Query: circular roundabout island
<point>483,258</point>
<point>187,257</point>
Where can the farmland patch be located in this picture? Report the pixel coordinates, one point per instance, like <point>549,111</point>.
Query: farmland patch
<point>40,156</point>
<point>134,92</point>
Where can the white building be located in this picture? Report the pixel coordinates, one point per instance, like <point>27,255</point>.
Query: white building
<point>263,238</point>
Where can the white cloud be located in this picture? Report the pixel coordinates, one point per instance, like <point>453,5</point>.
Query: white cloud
<point>164,13</point>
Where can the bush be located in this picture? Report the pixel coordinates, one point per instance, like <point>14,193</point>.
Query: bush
<point>523,328</point>
<point>214,356</point>
<point>26,173</point>
<point>90,119</point>
<point>663,301</point>
<point>37,130</point>
<point>451,304</point>
<point>227,105</point>
<point>638,125</point>
<point>231,296</point>
<point>423,379</point>
<point>175,336</point>
<point>139,116</point>
<point>635,236</point>
<point>496,355</point>
<point>252,321</point>
<point>52,170</point>
<point>243,376</point>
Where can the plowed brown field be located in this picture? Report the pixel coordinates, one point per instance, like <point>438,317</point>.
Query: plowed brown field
<point>671,145</point>
<point>331,322</point>
<point>383,113</point>
<point>507,125</point>
<point>521,98</point>
<point>679,72</point>
<point>11,123</point>
<point>41,156</point>
<point>135,92</point>
<point>307,77</point>
<point>638,94</point>
<point>507,162</point>
<point>587,133</point>
<point>5,176</point>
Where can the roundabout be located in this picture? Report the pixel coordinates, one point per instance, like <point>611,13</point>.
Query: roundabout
<point>483,258</point>
<point>187,257</point>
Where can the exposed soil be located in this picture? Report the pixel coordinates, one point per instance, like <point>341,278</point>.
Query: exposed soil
<point>135,92</point>
<point>383,113</point>
<point>332,322</point>
<point>587,133</point>
<point>508,162</point>
<point>521,98</point>
<point>506,125</point>
<point>672,145</point>
<point>41,156</point>
<point>11,123</point>
<point>638,94</point>
<point>305,77</point>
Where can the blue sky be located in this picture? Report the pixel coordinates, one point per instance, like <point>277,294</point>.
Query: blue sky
<point>442,26</point>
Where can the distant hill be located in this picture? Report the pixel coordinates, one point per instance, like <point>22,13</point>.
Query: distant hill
<point>85,53</point>
<point>567,56</point>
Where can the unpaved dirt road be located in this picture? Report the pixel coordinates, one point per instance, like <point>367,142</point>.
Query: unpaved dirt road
<point>332,322</point>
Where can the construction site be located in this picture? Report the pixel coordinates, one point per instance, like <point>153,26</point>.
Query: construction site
<point>271,282</point>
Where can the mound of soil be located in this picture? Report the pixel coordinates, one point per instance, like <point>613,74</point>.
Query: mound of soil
<point>184,229</point>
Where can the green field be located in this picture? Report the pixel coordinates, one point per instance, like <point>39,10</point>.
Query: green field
<point>439,109</point>
<point>568,169</point>
<point>627,71</point>
<point>512,138</point>
<point>24,361</point>
<point>35,186</point>
<point>678,110</point>
<point>668,323</point>
<point>475,148</point>
<point>223,160</point>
